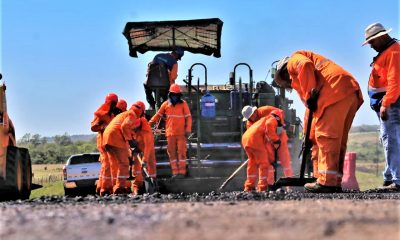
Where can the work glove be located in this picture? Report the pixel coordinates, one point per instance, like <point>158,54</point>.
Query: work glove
<point>187,134</point>
<point>312,101</point>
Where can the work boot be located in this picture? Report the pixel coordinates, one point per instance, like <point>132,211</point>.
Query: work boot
<point>180,176</point>
<point>248,189</point>
<point>392,187</point>
<point>318,188</point>
<point>387,183</point>
<point>104,192</point>
<point>119,190</point>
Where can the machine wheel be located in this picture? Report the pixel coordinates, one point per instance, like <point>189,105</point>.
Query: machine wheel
<point>14,174</point>
<point>27,170</point>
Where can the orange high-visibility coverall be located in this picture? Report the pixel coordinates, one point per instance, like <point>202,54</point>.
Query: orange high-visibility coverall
<point>101,119</point>
<point>283,151</point>
<point>178,122</point>
<point>339,99</point>
<point>144,137</point>
<point>115,140</point>
<point>254,142</point>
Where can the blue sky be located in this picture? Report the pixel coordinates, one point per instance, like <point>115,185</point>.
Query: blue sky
<point>60,58</point>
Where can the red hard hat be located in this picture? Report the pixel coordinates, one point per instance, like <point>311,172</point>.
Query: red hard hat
<point>138,107</point>
<point>122,105</point>
<point>175,88</point>
<point>111,97</point>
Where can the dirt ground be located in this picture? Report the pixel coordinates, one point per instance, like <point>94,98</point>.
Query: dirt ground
<point>288,219</point>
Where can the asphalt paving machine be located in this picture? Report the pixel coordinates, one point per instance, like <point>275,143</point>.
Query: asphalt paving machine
<point>214,147</point>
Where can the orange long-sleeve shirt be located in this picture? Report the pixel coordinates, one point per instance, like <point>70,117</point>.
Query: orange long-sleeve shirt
<point>385,74</point>
<point>309,71</point>
<point>262,132</point>
<point>119,131</point>
<point>178,118</point>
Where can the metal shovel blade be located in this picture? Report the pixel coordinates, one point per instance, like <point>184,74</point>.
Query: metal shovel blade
<point>150,185</point>
<point>289,181</point>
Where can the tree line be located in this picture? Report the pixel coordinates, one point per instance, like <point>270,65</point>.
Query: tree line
<point>57,149</point>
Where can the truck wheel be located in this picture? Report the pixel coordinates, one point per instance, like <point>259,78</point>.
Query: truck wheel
<point>69,192</point>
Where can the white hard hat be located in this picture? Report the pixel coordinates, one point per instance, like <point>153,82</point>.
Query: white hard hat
<point>247,111</point>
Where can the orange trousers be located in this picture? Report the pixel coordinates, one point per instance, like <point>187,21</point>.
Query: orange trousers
<point>105,178</point>
<point>152,164</point>
<point>257,166</point>
<point>331,133</point>
<point>177,154</point>
<point>119,158</point>
<point>284,161</point>
<point>137,173</point>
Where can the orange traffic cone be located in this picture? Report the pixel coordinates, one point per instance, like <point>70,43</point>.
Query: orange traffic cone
<point>349,180</point>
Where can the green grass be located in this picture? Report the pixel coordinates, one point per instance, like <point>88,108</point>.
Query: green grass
<point>50,189</point>
<point>368,180</point>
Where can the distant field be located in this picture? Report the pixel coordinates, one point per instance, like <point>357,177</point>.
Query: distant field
<point>50,177</point>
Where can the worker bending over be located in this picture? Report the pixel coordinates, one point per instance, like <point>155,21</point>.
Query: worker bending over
<point>252,115</point>
<point>143,134</point>
<point>178,127</point>
<point>254,142</point>
<point>162,62</point>
<point>334,96</point>
<point>116,139</point>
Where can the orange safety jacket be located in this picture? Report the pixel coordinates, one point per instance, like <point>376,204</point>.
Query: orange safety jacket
<point>100,121</point>
<point>178,118</point>
<point>261,112</point>
<point>145,138</point>
<point>385,75</point>
<point>119,131</point>
<point>309,71</point>
<point>261,133</point>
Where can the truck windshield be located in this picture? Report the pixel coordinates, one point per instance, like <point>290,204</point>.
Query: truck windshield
<point>87,158</point>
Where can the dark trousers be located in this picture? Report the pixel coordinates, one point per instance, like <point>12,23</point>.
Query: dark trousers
<point>162,95</point>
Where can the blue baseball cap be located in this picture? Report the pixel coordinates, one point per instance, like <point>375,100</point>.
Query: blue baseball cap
<point>180,52</point>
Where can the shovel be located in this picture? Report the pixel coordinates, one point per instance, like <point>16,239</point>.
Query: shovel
<point>149,183</point>
<point>232,175</point>
<point>290,181</point>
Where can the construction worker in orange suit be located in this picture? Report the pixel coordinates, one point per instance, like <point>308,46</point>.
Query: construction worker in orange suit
<point>145,143</point>
<point>170,60</point>
<point>116,140</point>
<point>121,107</point>
<point>178,127</point>
<point>252,115</point>
<point>334,96</point>
<point>255,141</point>
<point>102,117</point>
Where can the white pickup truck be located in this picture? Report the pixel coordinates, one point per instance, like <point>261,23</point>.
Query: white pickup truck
<point>81,173</point>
